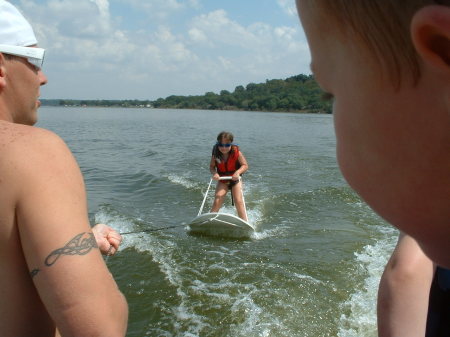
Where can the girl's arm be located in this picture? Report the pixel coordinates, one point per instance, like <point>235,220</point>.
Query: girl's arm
<point>212,168</point>
<point>244,165</point>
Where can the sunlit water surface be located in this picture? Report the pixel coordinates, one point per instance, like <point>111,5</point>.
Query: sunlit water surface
<point>311,269</point>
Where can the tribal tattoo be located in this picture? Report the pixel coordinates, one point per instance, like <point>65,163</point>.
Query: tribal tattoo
<point>34,272</point>
<point>81,244</point>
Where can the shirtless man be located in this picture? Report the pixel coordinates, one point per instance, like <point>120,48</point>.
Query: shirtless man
<point>53,279</point>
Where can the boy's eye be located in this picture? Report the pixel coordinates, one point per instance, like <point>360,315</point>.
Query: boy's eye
<point>327,97</point>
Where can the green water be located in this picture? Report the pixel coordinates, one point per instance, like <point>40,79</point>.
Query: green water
<point>311,269</point>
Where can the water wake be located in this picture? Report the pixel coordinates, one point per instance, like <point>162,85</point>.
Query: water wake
<point>361,316</point>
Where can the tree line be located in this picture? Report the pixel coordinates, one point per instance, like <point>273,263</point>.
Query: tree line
<point>299,93</point>
<point>98,103</point>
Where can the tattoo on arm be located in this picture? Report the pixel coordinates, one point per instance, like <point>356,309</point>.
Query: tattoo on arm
<point>81,244</point>
<point>34,272</point>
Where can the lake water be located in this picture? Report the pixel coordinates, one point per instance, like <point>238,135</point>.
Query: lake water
<point>313,266</point>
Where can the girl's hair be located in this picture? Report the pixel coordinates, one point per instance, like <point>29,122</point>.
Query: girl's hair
<point>383,26</point>
<point>228,136</point>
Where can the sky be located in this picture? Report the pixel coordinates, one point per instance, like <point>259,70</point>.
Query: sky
<point>146,49</point>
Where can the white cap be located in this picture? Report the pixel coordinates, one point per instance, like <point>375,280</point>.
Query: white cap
<point>14,28</point>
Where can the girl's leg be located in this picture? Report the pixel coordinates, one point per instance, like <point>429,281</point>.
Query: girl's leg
<point>238,201</point>
<point>221,192</point>
<point>404,291</point>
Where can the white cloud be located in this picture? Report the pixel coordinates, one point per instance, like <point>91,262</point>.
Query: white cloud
<point>253,49</point>
<point>197,35</point>
<point>288,7</point>
<point>88,19</point>
<point>92,54</point>
<point>103,6</point>
<point>160,9</point>
<point>220,31</point>
<point>173,51</point>
<point>194,3</point>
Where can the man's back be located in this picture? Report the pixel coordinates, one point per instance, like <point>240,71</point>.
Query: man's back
<point>21,310</point>
<point>50,268</point>
<point>52,275</point>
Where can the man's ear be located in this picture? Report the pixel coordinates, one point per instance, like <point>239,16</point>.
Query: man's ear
<point>2,71</point>
<point>430,33</point>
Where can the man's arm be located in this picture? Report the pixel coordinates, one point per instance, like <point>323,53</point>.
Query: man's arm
<point>60,249</point>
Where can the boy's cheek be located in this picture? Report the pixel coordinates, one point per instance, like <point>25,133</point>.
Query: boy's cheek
<point>344,146</point>
<point>353,152</point>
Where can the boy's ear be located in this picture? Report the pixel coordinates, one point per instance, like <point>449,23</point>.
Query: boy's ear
<point>430,33</point>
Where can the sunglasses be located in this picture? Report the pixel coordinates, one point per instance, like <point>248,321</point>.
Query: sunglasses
<point>33,55</point>
<point>224,145</point>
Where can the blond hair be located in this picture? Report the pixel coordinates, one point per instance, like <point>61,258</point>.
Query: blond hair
<point>383,26</point>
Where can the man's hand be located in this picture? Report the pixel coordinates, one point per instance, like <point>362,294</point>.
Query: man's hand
<point>108,239</point>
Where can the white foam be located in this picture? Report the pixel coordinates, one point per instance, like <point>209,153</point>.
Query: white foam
<point>161,252</point>
<point>361,305</point>
<point>235,297</point>
<point>268,233</point>
<point>309,278</point>
<point>183,181</point>
<point>119,222</point>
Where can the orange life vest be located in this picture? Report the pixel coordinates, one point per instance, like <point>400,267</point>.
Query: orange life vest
<point>228,167</point>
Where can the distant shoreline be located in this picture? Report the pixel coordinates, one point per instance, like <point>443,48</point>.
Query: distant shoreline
<point>153,108</point>
<point>299,93</point>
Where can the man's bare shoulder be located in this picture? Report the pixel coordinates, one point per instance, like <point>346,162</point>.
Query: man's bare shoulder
<point>28,152</point>
<point>20,140</point>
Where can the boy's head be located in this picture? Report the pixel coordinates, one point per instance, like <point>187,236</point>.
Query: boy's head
<point>381,26</point>
<point>387,65</point>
